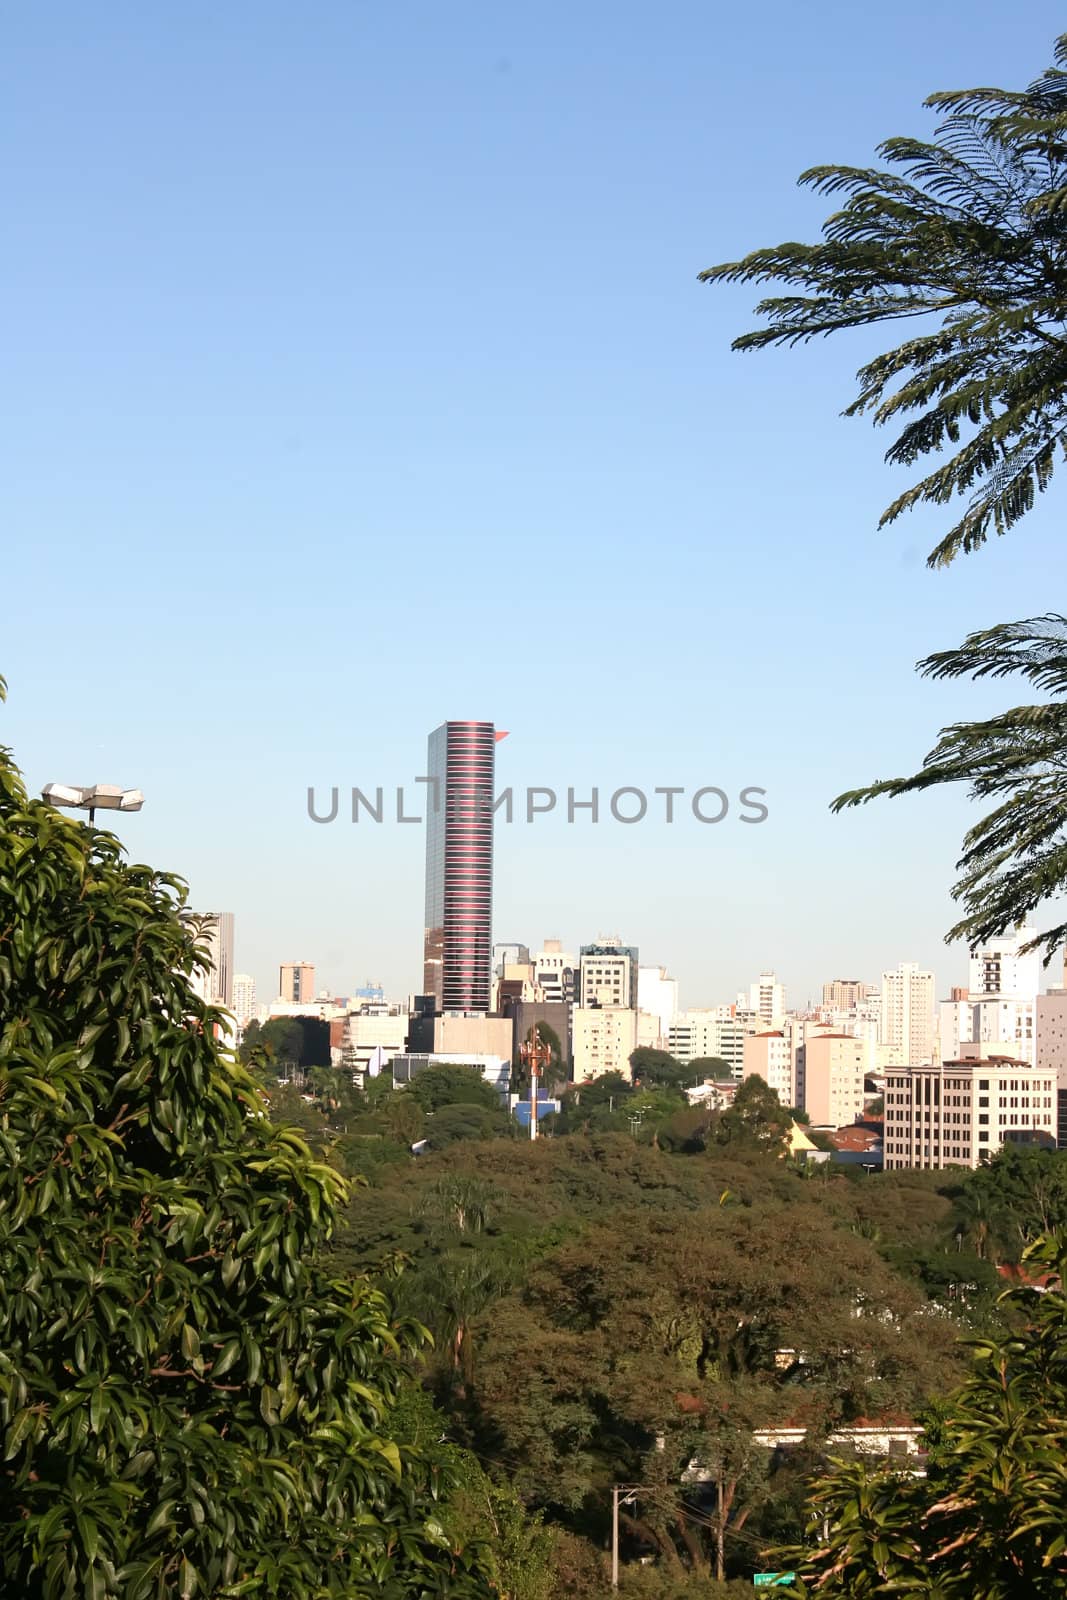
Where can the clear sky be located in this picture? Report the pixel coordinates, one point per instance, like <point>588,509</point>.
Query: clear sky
<point>357,376</point>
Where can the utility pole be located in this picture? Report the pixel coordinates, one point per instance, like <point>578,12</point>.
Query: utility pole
<point>535,1054</point>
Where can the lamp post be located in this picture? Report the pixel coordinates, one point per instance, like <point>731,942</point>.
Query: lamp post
<point>90,797</point>
<point>621,1494</point>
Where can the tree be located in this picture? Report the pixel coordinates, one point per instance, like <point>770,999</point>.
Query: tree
<point>969,233</point>
<point>452,1085</point>
<point>986,1523</point>
<point>649,1067</point>
<point>462,1121</point>
<point>1015,856</point>
<point>756,1118</point>
<point>191,1404</point>
<point>703,1067</point>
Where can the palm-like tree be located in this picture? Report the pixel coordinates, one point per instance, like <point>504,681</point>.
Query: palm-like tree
<point>1015,856</point>
<point>967,232</point>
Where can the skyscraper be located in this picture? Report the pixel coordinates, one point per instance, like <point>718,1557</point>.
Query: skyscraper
<point>215,983</point>
<point>458,947</point>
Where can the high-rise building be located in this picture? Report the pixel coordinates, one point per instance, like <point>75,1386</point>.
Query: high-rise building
<point>957,1112</point>
<point>1000,970</point>
<point>603,1039</point>
<point>1051,1048</point>
<point>765,1000</point>
<point>831,1072</point>
<point>509,955</point>
<point>244,999</point>
<point>296,982</point>
<point>844,994</point>
<point>215,983</point>
<point>608,974</point>
<point>907,1015</point>
<point>555,972</point>
<point>458,934</point>
<point>715,1031</point>
<point>657,993</point>
<point>769,1056</point>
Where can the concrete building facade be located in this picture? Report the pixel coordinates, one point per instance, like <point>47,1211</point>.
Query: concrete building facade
<point>957,1112</point>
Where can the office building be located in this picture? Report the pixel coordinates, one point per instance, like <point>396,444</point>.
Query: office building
<point>458,932</point>
<point>607,974</point>
<point>957,1112</point>
<point>296,982</point>
<point>456,1033</point>
<point>716,1031</point>
<point>657,993</point>
<point>555,972</point>
<point>509,955</point>
<point>214,982</point>
<point>907,1016</point>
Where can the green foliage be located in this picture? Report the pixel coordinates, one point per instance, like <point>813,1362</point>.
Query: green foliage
<point>704,1067</point>
<point>462,1121</point>
<point>756,1118</point>
<point>192,1403</point>
<point>658,1067</point>
<point>969,233</point>
<point>987,1521</point>
<point>591,1296</point>
<point>1014,857</point>
<point>450,1086</point>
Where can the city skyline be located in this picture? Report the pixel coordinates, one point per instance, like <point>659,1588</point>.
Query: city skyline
<point>262,406</point>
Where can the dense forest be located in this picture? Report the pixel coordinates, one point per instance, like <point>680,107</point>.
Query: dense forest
<point>636,1300</point>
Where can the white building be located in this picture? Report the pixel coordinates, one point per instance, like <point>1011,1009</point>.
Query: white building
<point>957,1112</point>
<point>658,995</point>
<point>556,972</point>
<point>999,970</point>
<point>765,1000</point>
<point>603,1038</point>
<point>1006,1026</point>
<point>715,1031</point>
<point>244,1000</point>
<point>907,1015</point>
<point>494,1070</point>
<point>607,974</point>
<point>364,1033</point>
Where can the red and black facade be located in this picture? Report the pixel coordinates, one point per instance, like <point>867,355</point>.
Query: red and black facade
<point>459,866</point>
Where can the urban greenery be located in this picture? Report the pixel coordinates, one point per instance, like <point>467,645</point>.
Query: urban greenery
<point>194,1400</point>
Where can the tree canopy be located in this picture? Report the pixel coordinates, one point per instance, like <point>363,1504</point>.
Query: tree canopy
<point>192,1401</point>
<point>966,232</point>
<point>986,1522</point>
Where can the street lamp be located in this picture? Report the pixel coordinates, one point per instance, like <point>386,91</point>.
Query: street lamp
<point>88,797</point>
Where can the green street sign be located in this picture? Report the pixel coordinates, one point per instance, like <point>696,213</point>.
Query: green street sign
<point>773,1580</point>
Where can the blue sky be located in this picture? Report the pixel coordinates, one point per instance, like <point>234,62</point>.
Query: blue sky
<point>358,377</point>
